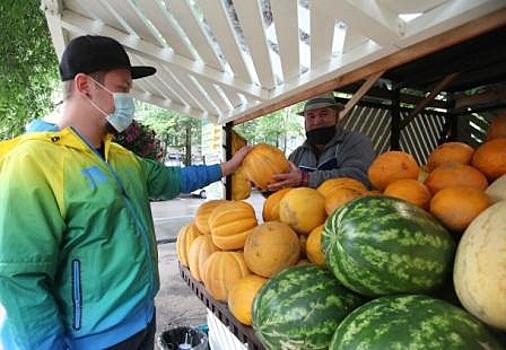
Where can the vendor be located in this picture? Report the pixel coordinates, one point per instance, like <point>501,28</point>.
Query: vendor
<point>329,151</point>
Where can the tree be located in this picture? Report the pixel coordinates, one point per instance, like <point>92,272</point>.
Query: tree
<point>28,68</point>
<point>273,128</point>
<point>174,129</point>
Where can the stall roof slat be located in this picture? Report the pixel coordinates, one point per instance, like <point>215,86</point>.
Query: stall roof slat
<point>189,42</point>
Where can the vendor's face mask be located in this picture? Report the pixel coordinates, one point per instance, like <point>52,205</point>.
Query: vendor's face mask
<point>124,109</point>
<point>321,136</point>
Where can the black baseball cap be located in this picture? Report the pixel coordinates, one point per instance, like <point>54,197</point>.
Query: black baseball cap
<point>90,53</point>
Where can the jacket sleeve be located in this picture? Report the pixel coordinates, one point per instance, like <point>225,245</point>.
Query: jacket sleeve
<point>355,155</point>
<point>31,229</point>
<point>167,182</point>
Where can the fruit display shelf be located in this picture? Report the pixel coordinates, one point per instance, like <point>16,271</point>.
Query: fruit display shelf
<point>244,333</point>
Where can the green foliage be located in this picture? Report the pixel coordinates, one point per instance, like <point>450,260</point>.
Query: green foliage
<point>273,128</point>
<point>28,68</point>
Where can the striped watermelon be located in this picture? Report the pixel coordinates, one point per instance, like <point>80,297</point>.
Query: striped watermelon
<point>300,308</point>
<point>412,322</point>
<point>378,245</point>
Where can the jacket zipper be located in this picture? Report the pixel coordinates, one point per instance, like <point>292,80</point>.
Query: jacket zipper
<point>76,293</point>
<point>128,205</point>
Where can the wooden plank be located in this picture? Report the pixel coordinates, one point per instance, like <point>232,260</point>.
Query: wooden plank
<point>285,15</point>
<point>360,93</point>
<point>223,31</point>
<point>411,6</point>
<point>425,47</point>
<point>166,27</point>
<point>323,23</point>
<point>495,95</point>
<point>76,23</point>
<point>250,17</point>
<point>128,13</point>
<point>195,33</point>
<point>437,89</point>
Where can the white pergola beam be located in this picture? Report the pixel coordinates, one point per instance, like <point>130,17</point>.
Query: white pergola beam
<point>158,16</point>
<point>285,15</point>
<point>214,95</point>
<point>102,13</point>
<point>52,10</point>
<point>377,23</point>
<point>81,25</point>
<point>196,91</point>
<point>171,105</point>
<point>323,23</point>
<point>250,18</point>
<point>352,39</point>
<point>217,18</point>
<point>194,31</point>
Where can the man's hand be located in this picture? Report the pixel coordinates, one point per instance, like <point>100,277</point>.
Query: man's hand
<point>293,178</point>
<point>233,164</point>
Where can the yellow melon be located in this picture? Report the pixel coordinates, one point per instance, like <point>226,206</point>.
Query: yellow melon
<point>203,213</point>
<point>262,163</point>
<point>241,187</point>
<point>303,209</point>
<point>201,248</point>
<point>340,197</point>
<point>450,153</point>
<point>328,186</point>
<point>455,175</point>
<point>230,224</point>
<point>314,250</point>
<point>391,166</point>
<point>458,206</point>
<point>187,234</point>
<point>242,295</point>
<point>270,248</point>
<point>490,158</point>
<point>270,210</point>
<point>497,129</point>
<point>411,191</point>
<point>222,271</point>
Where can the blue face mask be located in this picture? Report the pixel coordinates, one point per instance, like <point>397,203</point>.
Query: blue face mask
<point>124,109</point>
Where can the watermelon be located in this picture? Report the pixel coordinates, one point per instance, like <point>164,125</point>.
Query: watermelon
<point>412,322</point>
<point>300,308</point>
<point>378,245</point>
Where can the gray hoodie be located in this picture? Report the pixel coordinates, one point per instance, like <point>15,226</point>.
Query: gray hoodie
<point>347,154</point>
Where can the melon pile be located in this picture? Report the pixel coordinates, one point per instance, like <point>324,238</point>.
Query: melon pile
<point>345,266</point>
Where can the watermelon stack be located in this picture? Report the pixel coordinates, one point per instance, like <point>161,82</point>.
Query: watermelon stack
<point>411,322</point>
<point>300,308</point>
<point>378,245</point>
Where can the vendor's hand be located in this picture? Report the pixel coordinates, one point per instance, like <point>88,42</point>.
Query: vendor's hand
<point>233,164</point>
<point>293,178</point>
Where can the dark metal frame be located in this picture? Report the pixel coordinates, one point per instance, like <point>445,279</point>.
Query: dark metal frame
<point>244,333</point>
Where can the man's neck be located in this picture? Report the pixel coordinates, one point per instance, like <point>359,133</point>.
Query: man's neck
<point>73,117</point>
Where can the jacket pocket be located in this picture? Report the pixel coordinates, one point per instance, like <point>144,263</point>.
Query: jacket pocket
<point>76,294</point>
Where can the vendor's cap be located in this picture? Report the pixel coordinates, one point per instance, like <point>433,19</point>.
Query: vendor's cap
<point>88,54</point>
<point>321,101</point>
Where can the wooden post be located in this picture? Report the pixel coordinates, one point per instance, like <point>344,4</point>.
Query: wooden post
<point>228,155</point>
<point>395,126</point>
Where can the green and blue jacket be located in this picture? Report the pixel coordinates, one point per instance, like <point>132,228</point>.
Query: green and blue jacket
<point>78,257</point>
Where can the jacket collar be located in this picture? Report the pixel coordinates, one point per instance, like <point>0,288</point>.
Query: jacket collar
<point>67,137</point>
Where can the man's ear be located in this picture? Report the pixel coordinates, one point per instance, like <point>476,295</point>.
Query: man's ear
<point>82,84</point>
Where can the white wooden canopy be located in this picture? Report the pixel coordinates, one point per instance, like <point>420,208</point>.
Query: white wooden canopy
<point>225,60</point>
